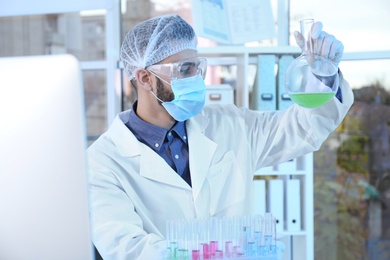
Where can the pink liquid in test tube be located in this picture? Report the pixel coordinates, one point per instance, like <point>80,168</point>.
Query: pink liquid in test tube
<point>206,251</point>
<point>228,248</point>
<point>195,254</point>
<point>213,247</point>
<point>236,249</point>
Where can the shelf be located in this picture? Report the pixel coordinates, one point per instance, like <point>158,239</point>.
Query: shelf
<point>284,173</point>
<point>221,51</point>
<point>293,233</point>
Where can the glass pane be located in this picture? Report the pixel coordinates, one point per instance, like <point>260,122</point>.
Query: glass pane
<point>129,93</point>
<point>351,184</point>
<point>366,72</point>
<point>365,30</point>
<point>95,103</point>
<point>351,170</point>
<point>80,35</point>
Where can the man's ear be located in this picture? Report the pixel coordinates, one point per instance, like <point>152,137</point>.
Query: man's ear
<point>143,79</point>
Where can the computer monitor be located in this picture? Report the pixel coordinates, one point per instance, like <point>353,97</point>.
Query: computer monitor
<point>43,188</point>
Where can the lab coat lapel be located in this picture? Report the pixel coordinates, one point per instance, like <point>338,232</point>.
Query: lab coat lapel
<point>201,152</point>
<point>154,167</point>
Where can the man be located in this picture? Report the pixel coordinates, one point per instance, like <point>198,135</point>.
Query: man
<point>171,158</point>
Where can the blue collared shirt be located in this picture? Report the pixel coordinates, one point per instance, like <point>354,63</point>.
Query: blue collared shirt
<point>170,144</point>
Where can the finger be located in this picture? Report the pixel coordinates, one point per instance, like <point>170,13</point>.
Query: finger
<point>313,63</point>
<point>318,42</point>
<point>299,39</point>
<point>336,51</point>
<point>327,45</point>
<point>337,47</point>
<point>316,30</point>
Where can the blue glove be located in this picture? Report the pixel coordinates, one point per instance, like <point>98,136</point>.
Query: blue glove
<point>323,44</point>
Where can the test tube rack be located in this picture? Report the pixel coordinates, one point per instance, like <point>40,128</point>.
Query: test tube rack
<point>238,237</point>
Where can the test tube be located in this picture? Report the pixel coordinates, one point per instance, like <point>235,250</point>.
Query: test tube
<point>215,236</point>
<point>220,239</point>
<point>204,238</point>
<point>183,239</point>
<point>258,234</point>
<point>168,238</point>
<point>236,236</point>
<point>273,229</point>
<point>195,252</point>
<point>268,233</point>
<point>246,233</point>
<point>173,244</point>
<point>227,224</point>
<point>262,248</point>
<point>251,243</point>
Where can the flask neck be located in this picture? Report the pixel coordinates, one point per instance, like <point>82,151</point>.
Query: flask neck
<point>306,25</point>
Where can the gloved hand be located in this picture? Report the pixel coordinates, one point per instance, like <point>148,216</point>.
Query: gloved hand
<point>323,44</point>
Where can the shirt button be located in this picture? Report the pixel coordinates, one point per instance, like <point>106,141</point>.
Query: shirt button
<point>177,156</point>
<point>184,137</point>
<point>156,145</point>
<point>170,133</point>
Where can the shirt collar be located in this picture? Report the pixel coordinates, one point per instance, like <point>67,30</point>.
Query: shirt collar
<point>152,135</point>
<point>180,129</point>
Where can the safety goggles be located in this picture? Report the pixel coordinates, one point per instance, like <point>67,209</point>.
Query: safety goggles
<point>182,69</point>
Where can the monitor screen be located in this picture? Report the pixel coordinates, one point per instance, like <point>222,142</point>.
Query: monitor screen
<point>43,182</point>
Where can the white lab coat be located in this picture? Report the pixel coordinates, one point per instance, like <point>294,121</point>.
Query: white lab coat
<point>133,191</point>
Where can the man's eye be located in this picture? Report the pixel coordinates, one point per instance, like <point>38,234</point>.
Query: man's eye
<point>188,68</point>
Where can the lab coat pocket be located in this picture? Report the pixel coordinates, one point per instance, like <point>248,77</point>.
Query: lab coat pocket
<point>226,184</point>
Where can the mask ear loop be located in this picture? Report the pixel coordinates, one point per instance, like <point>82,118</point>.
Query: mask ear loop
<point>151,91</point>
<point>156,96</point>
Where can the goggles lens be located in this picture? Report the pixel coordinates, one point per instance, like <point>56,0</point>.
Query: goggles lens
<point>183,69</point>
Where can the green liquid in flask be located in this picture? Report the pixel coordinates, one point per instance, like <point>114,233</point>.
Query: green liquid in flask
<point>311,100</point>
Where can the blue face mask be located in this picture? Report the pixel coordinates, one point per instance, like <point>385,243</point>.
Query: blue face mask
<point>190,96</point>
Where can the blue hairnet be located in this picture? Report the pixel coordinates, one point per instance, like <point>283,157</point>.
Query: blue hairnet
<point>154,40</point>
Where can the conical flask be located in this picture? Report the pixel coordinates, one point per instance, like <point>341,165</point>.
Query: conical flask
<point>308,77</point>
